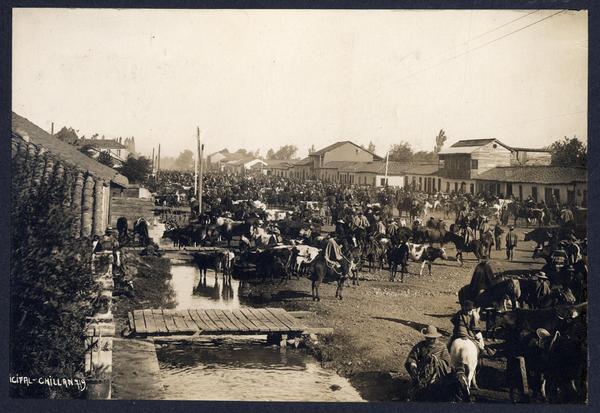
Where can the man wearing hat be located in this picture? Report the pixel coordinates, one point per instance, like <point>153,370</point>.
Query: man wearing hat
<point>542,288</point>
<point>466,325</point>
<point>511,242</point>
<point>428,361</point>
<point>498,231</point>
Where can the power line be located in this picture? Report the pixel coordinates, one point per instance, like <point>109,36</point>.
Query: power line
<point>501,26</point>
<point>480,46</point>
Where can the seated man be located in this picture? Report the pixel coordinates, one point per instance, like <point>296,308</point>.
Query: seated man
<point>428,361</point>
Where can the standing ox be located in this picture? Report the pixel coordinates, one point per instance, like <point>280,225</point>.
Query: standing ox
<point>425,254</point>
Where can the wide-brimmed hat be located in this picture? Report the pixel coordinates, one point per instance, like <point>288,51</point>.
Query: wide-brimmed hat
<point>431,332</point>
<point>468,305</point>
<point>340,221</point>
<point>511,227</point>
<point>542,275</point>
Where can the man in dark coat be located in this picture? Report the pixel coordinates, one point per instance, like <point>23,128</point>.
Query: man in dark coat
<point>466,325</point>
<point>403,252</point>
<point>498,231</point>
<point>511,243</point>
<point>428,362</point>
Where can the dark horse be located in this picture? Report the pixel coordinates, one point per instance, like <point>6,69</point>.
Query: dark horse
<point>474,246</point>
<point>141,228</point>
<point>322,269</point>
<point>122,230</point>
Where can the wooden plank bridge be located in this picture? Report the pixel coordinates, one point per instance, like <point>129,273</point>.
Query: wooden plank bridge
<point>271,321</point>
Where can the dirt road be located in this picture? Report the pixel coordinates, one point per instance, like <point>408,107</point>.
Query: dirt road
<point>377,323</point>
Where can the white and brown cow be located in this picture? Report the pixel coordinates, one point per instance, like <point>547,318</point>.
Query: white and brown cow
<point>426,254</point>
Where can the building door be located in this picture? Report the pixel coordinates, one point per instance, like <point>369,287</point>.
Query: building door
<point>557,195</point>
<point>521,192</point>
<point>455,186</point>
<point>570,196</point>
<point>548,196</point>
<point>509,191</point>
<point>472,188</point>
<point>439,184</point>
<point>534,193</point>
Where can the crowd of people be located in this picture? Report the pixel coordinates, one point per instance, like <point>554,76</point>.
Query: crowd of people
<point>366,219</point>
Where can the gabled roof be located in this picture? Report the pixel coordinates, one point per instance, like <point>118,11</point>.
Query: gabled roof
<point>542,174</point>
<point>65,152</point>
<point>101,143</point>
<point>473,142</point>
<point>467,146</point>
<point>340,143</point>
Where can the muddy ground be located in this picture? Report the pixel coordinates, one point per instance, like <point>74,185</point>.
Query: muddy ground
<point>377,323</point>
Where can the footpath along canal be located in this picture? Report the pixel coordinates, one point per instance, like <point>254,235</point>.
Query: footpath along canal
<point>227,367</point>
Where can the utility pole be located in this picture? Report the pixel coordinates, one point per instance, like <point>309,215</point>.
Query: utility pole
<point>52,129</point>
<point>158,164</point>
<point>153,160</point>
<point>196,173</point>
<point>199,186</point>
<point>387,159</point>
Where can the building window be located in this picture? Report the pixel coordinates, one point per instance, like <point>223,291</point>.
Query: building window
<point>534,193</point>
<point>474,164</point>
<point>382,182</point>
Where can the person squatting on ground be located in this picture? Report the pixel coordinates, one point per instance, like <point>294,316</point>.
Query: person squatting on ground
<point>427,363</point>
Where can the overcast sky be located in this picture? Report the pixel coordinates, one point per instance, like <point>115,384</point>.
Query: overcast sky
<point>262,79</point>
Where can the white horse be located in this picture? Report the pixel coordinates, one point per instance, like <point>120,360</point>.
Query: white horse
<point>463,360</point>
<point>426,206</point>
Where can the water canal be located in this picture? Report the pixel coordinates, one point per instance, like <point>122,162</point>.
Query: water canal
<point>237,368</point>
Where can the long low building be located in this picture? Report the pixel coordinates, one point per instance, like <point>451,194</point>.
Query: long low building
<point>92,182</point>
<point>566,184</point>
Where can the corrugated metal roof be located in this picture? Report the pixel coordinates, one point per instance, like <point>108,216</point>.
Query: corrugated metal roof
<point>535,174</point>
<point>65,152</point>
<point>472,142</point>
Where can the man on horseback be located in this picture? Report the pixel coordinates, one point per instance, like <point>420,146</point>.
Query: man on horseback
<point>466,325</point>
<point>428,362</point>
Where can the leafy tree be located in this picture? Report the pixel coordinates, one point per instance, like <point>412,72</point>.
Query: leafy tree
<point>51,286</point>
<point>105,159</point>
<point>270,154</point>
<point>424,156</point>
<point>136,169</point>
<point>185,161</point>
<point>569,152</point>
<point>67,135</point>
<point>371,147</point>
<point>284,153</point>
<point>440,139</point>
<point>401,152</point>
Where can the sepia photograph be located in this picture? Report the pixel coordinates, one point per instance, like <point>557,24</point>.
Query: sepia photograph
<point>299,205</point>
